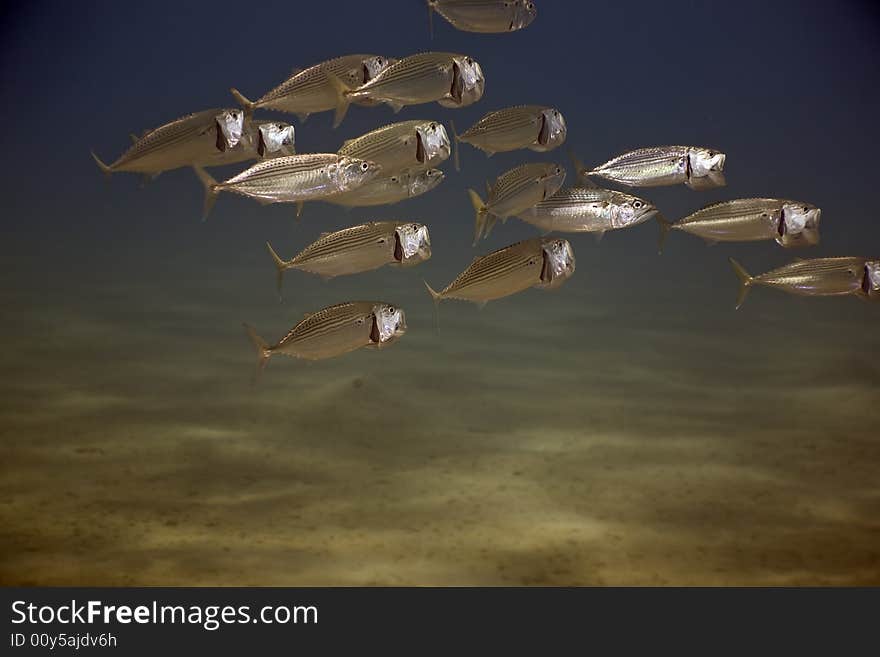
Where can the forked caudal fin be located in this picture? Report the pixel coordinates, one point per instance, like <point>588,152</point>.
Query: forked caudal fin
<point>482,214</point>
<point>342,98</point>
<point>246,105</point>
<point>211,191</point>
<point>745,281</point>
<point>280,265</point>
<point>437,298</point>
<point>264,352</point>
<point>107,170</point>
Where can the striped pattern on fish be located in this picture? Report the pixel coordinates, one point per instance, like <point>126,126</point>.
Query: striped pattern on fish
<point>789,223</point>
<point>514,192</point>
<point>654,166</point>
<point>293,179</point>
<point>588,210</point>
<point>484,16</point>
<point>538,262</point>
<point>334,331</point>
<point>535,127</point>
<point>360,248</point>
<point>813,277</point>
<point>192,140</point>
<point>312,90</point>
<point>408,145</point>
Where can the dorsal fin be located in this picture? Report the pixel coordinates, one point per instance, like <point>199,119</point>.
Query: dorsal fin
<point>295,71</point>
<point>134,138</point>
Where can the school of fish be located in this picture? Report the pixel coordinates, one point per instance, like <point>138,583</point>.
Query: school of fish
<point>400,160</point>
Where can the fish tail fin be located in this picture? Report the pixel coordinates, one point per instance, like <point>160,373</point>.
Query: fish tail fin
<point>482,213</point>
<point>107,170</point>
<point>211,191</point>
<point>437,297</point>
<point>264,352</point>
<point>745,281</point>
<point>244,103</point>
<point>665,226</point>
<point>342,98</point>
<point>457,141</point>
<point>280,266</point>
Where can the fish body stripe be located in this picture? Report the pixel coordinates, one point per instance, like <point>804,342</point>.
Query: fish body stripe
<point>346,240</point>
<point>314,78</point>
<point>406,69</point>
<point>497,265</point>
<point>326,321</point>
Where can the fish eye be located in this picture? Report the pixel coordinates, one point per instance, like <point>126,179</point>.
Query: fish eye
<point>391,309</point>
<point>637,204</point>
<point>711,153</point>
<point>433,126</point>
<point>806,209</point>
<point>364,166</point>
<point>558,170</point>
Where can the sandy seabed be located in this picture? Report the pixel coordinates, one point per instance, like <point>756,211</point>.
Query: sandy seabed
<point>556,439</point>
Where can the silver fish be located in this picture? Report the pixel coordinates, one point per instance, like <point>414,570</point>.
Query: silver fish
<point>589,210</point>
<point>789,223</point>
<point>514,192</point>
<point>696,167</point>
<point>360,248</point>
<point>274,138</point>
<point>387,190</point>
<point>484,16</point>
<point>293,179</point>
<point>451,79</point>
<point>816,277</point>
<point>312,89</point>
<point>871,280</point>
<point>542,262</point>
<point>213,137</point>
<point>334,331</point>
<point>535,127</point>
<point>404,146</point>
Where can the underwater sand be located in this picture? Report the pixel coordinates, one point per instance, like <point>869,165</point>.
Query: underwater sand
<point>623,430</point>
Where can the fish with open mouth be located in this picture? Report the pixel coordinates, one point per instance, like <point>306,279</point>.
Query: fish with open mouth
<point>293,179</point>
<point>790,223</point>
<point>404,146</point>
<point>817,277</point>
<point>483,16</point>
<point>214,137</point>
<point>274,138</point>
<point>656,166</point>
<point>451,79</point>
<point>360,248</point>
<point>310,90</point>
<point>535,127</point>
<point>514,192</point>
<point>589,209</point>
<point>334,331</point>
<point>541,262</point>
<point>387,190</point>
<point>871,280</point>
